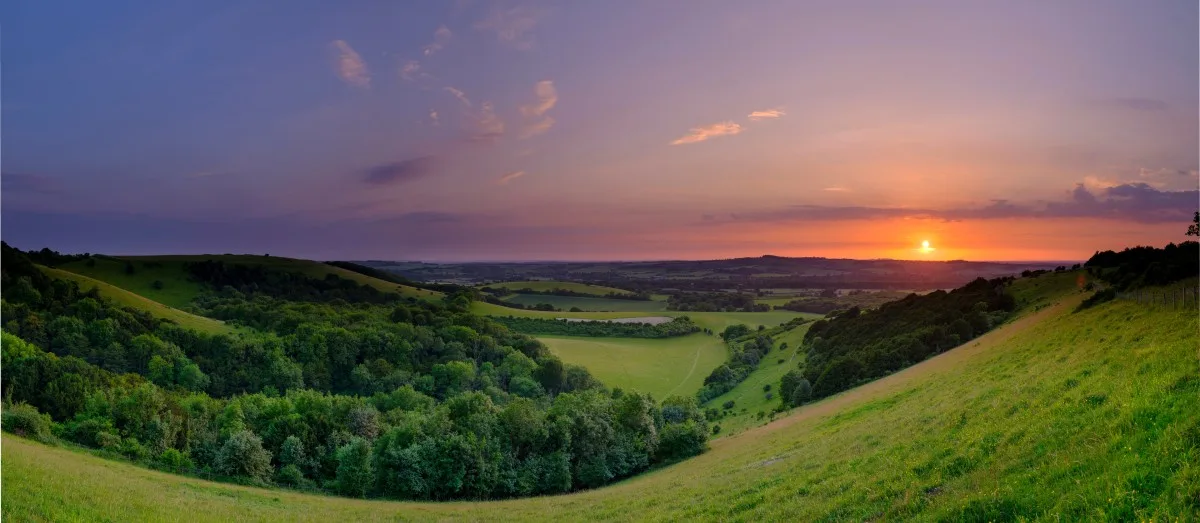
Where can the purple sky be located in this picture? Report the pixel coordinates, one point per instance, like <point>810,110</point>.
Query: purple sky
<point>599,130</point>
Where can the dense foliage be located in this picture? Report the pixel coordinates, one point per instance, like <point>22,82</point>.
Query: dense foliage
<point>715,302</point>
<point>561,327</point>
<point>856,346</point>
<point>337,387</point>
<point>1137,267</point>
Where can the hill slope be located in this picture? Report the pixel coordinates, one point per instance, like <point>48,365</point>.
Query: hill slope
<point>178,290</point>
<point>129,299</point>
<point>1094,415</point>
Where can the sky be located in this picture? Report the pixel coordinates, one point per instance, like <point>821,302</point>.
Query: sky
<point>521,130</point>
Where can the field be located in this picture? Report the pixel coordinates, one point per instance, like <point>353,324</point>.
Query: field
<point>178,290</point>
<point>588,304</point>
<point>549,285</point>
<point>661,367</point>
<point>711,320</point>
<point>1053,416</point>
<point>129,299</point>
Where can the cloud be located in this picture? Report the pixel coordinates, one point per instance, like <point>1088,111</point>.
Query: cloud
<point>547,98</point>
<point>836,189</point>
<point>1135,104</point>
<point>508,177</point>
<point>411,71</point>
<point>462,97</point>
<point>441,37</point>
<point>1134,202</point>
<point>769,114</point>
<point>700,134</point>
<point>349,66</point>
<point>433,117</point>
<point>512,27</point>
<point>487,127</point>
<point>399,172</point>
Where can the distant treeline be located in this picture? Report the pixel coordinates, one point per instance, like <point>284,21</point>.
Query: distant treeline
<point>856,346</point>
<point>501,291</point>
<point>1138,267</point>
<point>715,302</point>
<point>394,278</point>
<point>680,326</point>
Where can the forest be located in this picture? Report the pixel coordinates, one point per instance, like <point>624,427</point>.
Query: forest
<point>715,302</point>
<point>680,326</point>
<point>1137,267</point>
<point>327,385</point>
<point>855,346</point>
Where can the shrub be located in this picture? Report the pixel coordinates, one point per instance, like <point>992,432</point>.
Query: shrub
<point>767,387</point>
<point>133,449</point>
<point>174,461</point>
<point>770,396</point>
<point>291,475</point>
<point>716,429</point>
<point>243,455</point>
<point>1105,295</point>
<point>728,405</point>
<point>157,285</point>
<point>25,420</point>
<point>108,441</point>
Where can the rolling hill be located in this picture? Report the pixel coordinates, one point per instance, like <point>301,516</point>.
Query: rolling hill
<point>1055,415</point>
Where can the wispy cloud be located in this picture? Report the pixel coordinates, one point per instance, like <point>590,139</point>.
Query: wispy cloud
<point>441,37</point>
<point>433,117</point>
<point>411,71</point>
<point>512,26</point>
<point>349,66</point>
<point>769,114</point>
<point>547,98</point>
<point>1135,202</point>
<point>700,134</point>
<point>508,177</point>
<point>487,126</point>
<point>462,97</point>
<point>836,189</point>
<point>399,172</point>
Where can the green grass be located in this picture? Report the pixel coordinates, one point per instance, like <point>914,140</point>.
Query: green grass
<point>748,397</point>
<point>549,285</point>
<point>129,299</point>
<point>178,289</point>
<point>588,304</point>
<point>1052,417</point>
<point>661,367</point>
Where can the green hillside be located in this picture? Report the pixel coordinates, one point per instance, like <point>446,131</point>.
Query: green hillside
<point>129,299</point>
<point>178,290</point>
<point>749,397</point>
<point>1053,416</point>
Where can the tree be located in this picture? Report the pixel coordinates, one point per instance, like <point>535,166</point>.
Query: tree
<point>1194,228</point>
<point>243,455</point>
<point>354,472</point>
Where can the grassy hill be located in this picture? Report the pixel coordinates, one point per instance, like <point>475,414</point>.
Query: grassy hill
<point>1054,416</point>
<point>549,285</point>
<point>749,397</point>
<point>129,299</point>
<point>662,367</point>
<point>178,290</point>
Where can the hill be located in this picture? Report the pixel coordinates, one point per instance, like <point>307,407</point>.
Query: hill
<point>138,274</point>
<point>1054,415</point>
<point>129,299</point>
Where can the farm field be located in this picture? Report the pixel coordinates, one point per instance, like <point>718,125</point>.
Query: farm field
<point>661,367</point>
<point>178,290</point>
<point>1053,416</point>
<point>588,304</point>
<point>129,299</point>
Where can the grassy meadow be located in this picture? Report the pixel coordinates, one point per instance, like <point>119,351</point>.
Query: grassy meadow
<point>749,397</point>
<point>1053,416</point>
<point>661,367</point>
<point>716,321</point>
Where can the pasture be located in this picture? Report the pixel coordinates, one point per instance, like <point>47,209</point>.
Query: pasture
<point>587,304</point>
<point>661,367</point>
<point>549,285</point>
<point>1053,416</point>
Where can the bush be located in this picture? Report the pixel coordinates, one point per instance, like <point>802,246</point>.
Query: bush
<point>770,396</point>
<point>25,420</point>
<point>767,387</point>
<point>1105,295</point>
<point>157,285</point>
<point>108,441</point>
<point>716,429</point>
<point>291,475</point>
<point>174,461</point>
<point>728,405</point>
<point>243,455</point>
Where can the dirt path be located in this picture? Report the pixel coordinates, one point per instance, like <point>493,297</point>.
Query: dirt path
<point>904,378</point>
<point>695,361</point>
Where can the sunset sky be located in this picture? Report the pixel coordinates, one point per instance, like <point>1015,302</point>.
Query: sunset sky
<point>487,130</point>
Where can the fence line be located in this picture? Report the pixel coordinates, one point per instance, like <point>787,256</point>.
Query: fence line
<point>1176,298</point>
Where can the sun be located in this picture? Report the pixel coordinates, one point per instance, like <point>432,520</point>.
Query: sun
<point>926,248</point>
